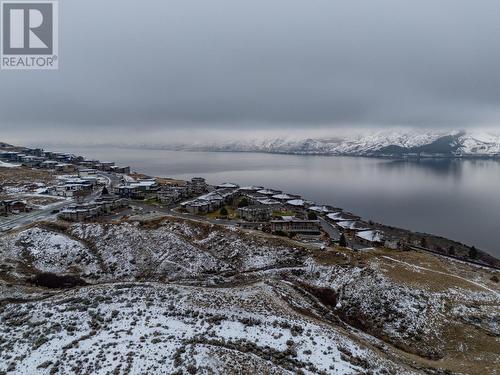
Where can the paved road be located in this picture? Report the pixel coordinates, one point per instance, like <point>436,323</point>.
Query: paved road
<point>47,213</point>
<point>28,218</point>
<point>113,179</point>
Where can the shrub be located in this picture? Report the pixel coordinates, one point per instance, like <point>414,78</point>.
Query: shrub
<point>51,280</point>
<point>223,211</point>
<point>312,216</point>
<point>243,202</point>
<point>343,241</point>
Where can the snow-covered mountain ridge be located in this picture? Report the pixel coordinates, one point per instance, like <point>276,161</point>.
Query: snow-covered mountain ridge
<point>383,143</point>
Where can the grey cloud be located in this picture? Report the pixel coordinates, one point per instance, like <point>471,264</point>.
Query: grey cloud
<point>162,65</point>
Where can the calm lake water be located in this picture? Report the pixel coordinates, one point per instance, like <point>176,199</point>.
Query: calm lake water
<point>452,198</point>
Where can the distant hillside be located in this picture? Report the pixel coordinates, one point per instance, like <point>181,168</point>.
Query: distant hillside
<point>448,145</point>
<point>388,144</point>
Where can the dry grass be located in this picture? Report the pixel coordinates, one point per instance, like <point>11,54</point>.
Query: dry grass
<point>170,181</point>
<point>332,257</point>
<point>24,175</point>
<point>440,273</point>
<point>231,213</point>
<point>468,349</point>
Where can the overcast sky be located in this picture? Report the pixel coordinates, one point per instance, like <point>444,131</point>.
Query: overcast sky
<point>139,69</point>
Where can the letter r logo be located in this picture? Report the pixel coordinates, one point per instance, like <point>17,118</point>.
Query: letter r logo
<point>27,28</point>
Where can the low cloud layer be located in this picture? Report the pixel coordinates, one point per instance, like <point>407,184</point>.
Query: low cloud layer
<point>160,67</point>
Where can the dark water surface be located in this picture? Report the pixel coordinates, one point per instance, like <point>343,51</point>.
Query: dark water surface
<point>459,199</point>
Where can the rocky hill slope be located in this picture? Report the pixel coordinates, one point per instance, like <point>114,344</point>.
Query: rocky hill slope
<point>174,296</point>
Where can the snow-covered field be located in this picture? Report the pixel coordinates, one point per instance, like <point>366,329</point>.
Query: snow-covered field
<point>174,296</point>
<point>127,252</point>
<point>158,329</point>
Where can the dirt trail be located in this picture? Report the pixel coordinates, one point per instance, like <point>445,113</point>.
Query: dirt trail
<point>443,273</point>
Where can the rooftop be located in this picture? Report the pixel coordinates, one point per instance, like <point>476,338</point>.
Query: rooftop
<point>296,202</point>
<point>371,235</point>
<point>227,185</point>
<point>283,196</point>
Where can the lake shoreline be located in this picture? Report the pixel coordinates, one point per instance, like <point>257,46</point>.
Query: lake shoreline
<point>453,198</point>
<point>355,155</point>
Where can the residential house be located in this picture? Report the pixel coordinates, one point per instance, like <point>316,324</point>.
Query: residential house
<point>140,189</point>
<point>88,163</point>
<point>119,169</point>
<point>106,166</point>
<point>172,194</point>
<point>295,204</point>
<point>268,192</point>
<point>271,204</point>
<point>93,180</point>
<point>209,202</point>
<point>249,189</point>
<point>72,187</point>
<point>283,197</point>
<point>341,216</point>
<point>49,164</point>
<point>321,209</point>
<point>109,202</point>
<point>371,237</point>
<point>130,191</point>
<point>351,226</point>
<point>11,156</point>
<point>227,185</point>
<point>393,243</point>
<point>251,197</point>
<point>104,204</point>
<point>168,196</point>
<point>64,167</point>
<point>255,213</point>
<point>36,152</point>
<point>80,212</point>
<point>20,157</point>
<point>86,172</point>
<point>13,206</point>
<point>197,207</point>
<point>48,154</point>
<point>197,186</point>
<point>17,206</point>
<point>292,225</point>
<point>32,161</point>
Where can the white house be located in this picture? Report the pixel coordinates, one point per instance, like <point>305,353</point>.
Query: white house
<point>371,237</point>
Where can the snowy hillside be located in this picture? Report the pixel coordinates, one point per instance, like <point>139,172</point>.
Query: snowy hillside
<point>183,297</point>
<point>381,143</point>
<point>480,143</point>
